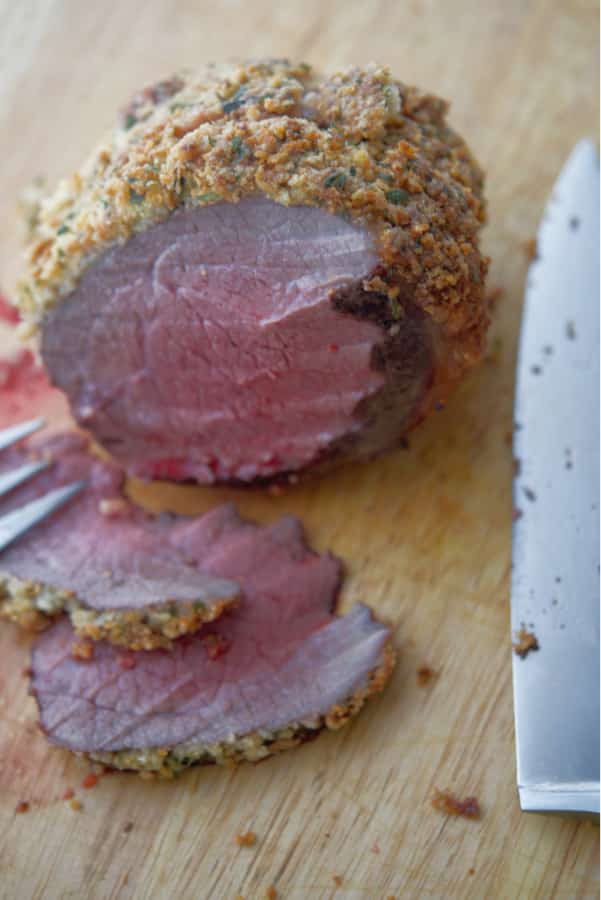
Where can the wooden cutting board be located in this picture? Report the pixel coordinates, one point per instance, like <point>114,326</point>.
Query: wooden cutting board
<point>425,532</point>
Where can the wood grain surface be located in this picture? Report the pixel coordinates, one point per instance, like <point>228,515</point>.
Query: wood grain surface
<point>425,532</point>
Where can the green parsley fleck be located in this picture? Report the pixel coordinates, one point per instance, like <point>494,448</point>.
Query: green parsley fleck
<point>395,308</point>
<point>199,605</point>
<point>130,121</point>
<point>398,197</point>
<point>352,171</point>
<point>239,148</point>
<point>136,198</point>
<point>337,180</point>
<point>235,102</point>
<point>64,229</point>
<point>210,197</point>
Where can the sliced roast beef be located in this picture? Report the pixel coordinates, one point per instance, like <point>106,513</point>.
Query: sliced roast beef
<point>262,271</point>
<point>113,568</point>
<point>264,678</point>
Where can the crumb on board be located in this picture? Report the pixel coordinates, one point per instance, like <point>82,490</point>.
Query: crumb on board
<point>246,839</point>
<point>128,827</point>
<point>90,781</point>
<point>113,507</point>
<point>471,871</point>
<point>337,879</point>
<point>76,805</point>
<point>127,662</point>
<point>425,675</point>
<point>27,672</point>
<point>22,807</point>
<point>216,645</point>
<point>376,848</point>
<point>271,893</point>
<point>69,794</point>
<point>82,650</point>
<point>531,249</point>
<point>495,350</point>
<point>447,803</point>
<point>524,643</point>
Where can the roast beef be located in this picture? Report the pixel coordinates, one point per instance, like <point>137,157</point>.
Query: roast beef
<point>263,678</point>
<point>113,568</point>
<point>262,271</point>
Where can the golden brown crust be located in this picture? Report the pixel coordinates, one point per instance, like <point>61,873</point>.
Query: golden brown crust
<point>168,762</point>
<point>358,143</point>
<point>33,606</point>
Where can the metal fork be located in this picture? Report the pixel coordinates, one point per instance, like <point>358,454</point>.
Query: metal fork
<point>17,522</point>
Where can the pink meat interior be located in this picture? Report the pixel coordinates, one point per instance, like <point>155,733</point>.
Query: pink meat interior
<point>123,561</point>
<point>207,347</point>
<point>284,657</point>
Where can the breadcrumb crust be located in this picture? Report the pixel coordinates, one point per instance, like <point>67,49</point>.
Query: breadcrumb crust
<point>357,143</point>
<point>167,762</point>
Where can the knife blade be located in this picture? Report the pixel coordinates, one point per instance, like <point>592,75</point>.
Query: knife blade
<point>555,573</point>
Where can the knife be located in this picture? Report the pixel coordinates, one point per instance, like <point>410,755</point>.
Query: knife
<point>555,574</point>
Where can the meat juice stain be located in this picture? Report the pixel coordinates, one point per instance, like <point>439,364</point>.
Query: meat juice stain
<point>168,469</point>
<point>25,390</point>
<point>9,314</point>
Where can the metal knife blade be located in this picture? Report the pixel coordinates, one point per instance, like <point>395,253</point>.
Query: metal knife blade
<point>555,581</point>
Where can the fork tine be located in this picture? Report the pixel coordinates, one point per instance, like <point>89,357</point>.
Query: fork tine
<point>17,432</point>
<point>16,523</point>
<point>10,480</point>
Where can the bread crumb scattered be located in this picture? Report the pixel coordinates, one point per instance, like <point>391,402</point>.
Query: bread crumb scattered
<point>246,839</point>
<point>90,781</point>
<point>337,879</point>
<point>524,643</point>
<point>216,645</point>
<point>531,249</point>
<point>271,893</point>
<point>471,871</point>
<point>22,807</point>
<point>111,507</point>
<point>76,806</point>
<point>446,802</point>
<point>127,662</point>
<point>425,674</point>
<point>128,827</point>
<point>82,650</point>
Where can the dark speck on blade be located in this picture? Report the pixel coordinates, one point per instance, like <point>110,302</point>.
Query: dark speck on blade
<point>536,370</point>
<point>548,350</point>
<point>558,579</point>
<point>529,494</point>
<point>574,223</point>
<point>570,331</point>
